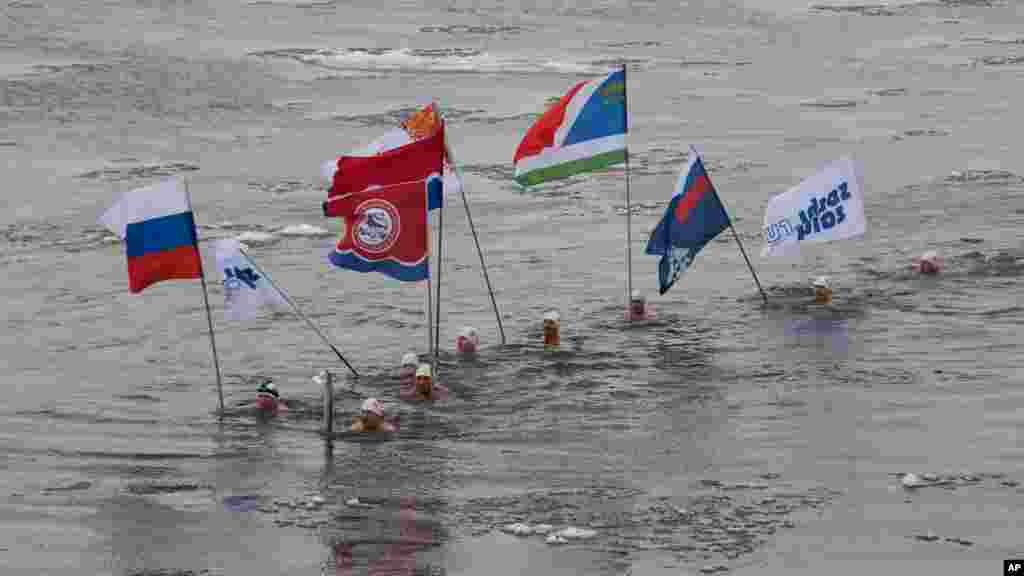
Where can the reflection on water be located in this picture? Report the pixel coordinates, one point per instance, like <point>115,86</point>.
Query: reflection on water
<point>396,528</point>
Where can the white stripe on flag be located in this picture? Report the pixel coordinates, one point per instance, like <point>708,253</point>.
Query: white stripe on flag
<point>555,156</point>
<point>165,198</point>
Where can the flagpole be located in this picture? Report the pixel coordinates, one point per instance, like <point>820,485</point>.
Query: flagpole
<point>740,244</point>
<point>298,312</point>
<point>209,317</point>
<point>440,237</point>
<point>629,211</point>
<point>430,313</point>
<point>476,240</point>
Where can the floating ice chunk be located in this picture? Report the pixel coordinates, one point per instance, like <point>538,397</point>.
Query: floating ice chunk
<point>517,529</point>
<point>911,480</point>
<point>303,230</point>
<point>556,539</point>
<point>573,533</point>
<point>256,237</point>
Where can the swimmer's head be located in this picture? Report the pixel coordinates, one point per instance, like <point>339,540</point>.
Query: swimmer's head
<point>373,412</point>
<point>267,396</point>
<point>929,263</point>
<point>408,368</point>
<point>552,326</point>
<point>822,290</point>
<point>467,341</point>
<point>424,379</point>
<point>637,304</point>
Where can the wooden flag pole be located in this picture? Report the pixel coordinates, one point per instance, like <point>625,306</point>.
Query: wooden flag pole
<point>298,312</point>
<point>476,240</point>
<point>629,211</point>
<point>209,319</point>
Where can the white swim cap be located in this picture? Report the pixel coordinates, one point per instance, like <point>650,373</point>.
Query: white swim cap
<point>636,296</point>
<point>410,359</point>
<point>373,406</point>
<point>551,315</point>
<point>930,255</point>
<point>424,370</point>
<point>820,282</point>
<point>468,332</point>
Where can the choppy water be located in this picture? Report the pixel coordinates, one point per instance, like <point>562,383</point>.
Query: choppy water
<point>721,438</point>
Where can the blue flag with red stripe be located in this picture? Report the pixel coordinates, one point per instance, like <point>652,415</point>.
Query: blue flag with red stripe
<point>694,216</point>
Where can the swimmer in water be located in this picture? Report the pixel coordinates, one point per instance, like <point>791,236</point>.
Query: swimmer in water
<point>928,263</point>
<point>425,388</point>
<point>372,418</point>
<point>822,291</point>
<point>268,400</point>
<point>552,327</point>
<point>638,309</point>
<point>407,373</point>
<point>467,341</point>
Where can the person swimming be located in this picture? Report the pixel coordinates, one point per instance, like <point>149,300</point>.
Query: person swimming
<point>552,327</point>
<point>638,309</point>
<point>467,341</point>
<point>822,291</point>
<point>268,399</point>
<point>372,418</point>
<point>928,263</point>
<point>407,372</point>
<point>425,387</point>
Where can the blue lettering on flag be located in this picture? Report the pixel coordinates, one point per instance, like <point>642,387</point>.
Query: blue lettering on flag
<point>823,214</point>
<point>233,278</point>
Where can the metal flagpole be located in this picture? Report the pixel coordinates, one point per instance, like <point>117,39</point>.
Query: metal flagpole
<point>298,312</point>
<point>209,318</point>
<point>737,237</point>
<point>629,211</point>
<point>440,261</point>
<point>476,240</point>
<point>744,252</point>
<point>430,313</point>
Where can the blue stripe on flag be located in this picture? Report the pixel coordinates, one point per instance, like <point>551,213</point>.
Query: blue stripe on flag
<point>604,114</point>
<point>160,234</point>
<point>389,267</point>
<point>435,192</point>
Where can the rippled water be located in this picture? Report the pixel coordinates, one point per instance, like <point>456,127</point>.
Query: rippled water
<point>722,437</point>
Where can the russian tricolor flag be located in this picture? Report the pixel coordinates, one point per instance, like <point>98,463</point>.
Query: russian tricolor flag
<point>159,231</point>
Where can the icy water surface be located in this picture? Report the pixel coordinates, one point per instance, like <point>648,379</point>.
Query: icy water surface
<point>722,437</point>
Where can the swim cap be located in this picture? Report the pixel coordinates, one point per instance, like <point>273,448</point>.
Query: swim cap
<point>373,406</point>
<point>820,282</point>
<point>410,359</point>
<point>551,315</point>
<point>424,370</point>
<point>468,332</point>
<point>268,388</point>
<point>636,296</point>
<point>930,255</point>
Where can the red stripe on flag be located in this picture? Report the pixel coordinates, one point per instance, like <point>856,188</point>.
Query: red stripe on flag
<point>692,197</point>
<point>542,134</point>
<point>181,263</point>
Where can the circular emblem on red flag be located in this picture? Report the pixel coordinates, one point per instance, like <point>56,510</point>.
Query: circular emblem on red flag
<point>377,226</point>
